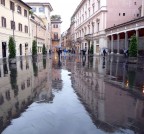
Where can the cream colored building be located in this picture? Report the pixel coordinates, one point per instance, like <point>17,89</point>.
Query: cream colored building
<point>92,17</point>
<point>38,32</point>
<point>43,11</point>
<point>14,19</point>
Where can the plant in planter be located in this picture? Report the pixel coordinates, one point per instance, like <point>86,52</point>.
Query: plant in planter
<point>34,48</point>
<point>12,50</point>
<point>133,49</point>
<point>44,49</point>
<point>91,49</point>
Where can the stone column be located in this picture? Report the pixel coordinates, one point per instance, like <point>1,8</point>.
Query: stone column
<point>126,41</point>
<point>112,44</point>
<point>118,43</point>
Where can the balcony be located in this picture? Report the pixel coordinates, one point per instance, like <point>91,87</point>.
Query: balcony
<point>79,40</point>
<point>55,39</point>
<point>88,37</point>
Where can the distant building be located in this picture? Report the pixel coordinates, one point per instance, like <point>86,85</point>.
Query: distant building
<point>43,10</point>
<point>56,32</point>
<point>14,21</point>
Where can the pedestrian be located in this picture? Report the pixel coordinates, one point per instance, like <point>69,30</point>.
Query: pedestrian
<point>104,52</point>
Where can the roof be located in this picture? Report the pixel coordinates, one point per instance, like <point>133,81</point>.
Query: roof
<point>24,4</point>
<point>78,7</point>
<point>41,3</point>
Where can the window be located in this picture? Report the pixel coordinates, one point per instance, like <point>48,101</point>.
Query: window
<point>26,29</point>
<point>56,36</point>
<point>3,2</point>
<point>98,4</point>
<point>123,14</point>
<point>3,20</point>
<point>19,9</point>
<point>53,26</point>
<point>25,13</point>
<point>20,27</point>
<point>119,14</point>
<point>135,3</point>
<point>12,25</point>
<point>12,6</point>
<point>98,27</point>
<point>93,8</point>
<point>33,9</point>
<point>41,9</point>
<point>56,26</point>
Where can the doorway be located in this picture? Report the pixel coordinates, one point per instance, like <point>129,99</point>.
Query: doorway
<point>4,49</point>
<point>20,49</point>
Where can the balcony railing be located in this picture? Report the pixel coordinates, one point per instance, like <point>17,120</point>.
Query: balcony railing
<point>55,39</point>
<point>88,36</point>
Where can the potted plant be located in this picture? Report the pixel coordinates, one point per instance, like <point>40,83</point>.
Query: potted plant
<point>12,50</point>
<point>133,50</point>
<point>44,51</point>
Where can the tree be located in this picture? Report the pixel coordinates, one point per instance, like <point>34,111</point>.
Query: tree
<point>91,49</point>
<point>11,46</point>
<point>133,46</point>
<point>55,17</point>
<point>34,48</point>
<point>44,49</point>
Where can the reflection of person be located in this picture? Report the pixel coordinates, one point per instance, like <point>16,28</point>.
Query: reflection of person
<point>84,60</point>
<point>59,52</point>
<point>103,62</point>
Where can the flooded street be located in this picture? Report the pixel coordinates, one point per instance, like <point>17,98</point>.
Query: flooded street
<point>72,95</point>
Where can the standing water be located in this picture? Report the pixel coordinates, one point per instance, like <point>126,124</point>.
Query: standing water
<point>71,95</point>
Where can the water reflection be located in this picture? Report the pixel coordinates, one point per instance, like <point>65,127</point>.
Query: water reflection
<point>19,88</point>
<point>74,94</point>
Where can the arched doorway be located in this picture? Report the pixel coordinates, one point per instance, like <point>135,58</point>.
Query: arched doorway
<point>20,47</point>
<point>4,49</point>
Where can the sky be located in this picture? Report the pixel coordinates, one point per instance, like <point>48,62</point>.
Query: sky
<point>64,8</point>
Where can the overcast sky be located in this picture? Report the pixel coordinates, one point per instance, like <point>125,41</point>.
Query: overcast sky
<point>64,8</point>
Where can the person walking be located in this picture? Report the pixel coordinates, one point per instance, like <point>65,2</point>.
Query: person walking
<point>104,52</point>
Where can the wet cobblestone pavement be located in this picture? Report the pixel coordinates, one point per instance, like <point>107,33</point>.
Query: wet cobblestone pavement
<point>72,95</point>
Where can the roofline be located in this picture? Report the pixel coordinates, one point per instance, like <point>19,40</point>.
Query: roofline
<point>50,7</point>
<point>24,4</point>
<point>126,23</point>
<point>78,7</point>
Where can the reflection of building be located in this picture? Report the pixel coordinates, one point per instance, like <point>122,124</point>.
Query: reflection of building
<point>19,91</point>
<point>56,32</point>
<point>111,108</point>
<point>43,11</point>
<point>15,22</point>
<point>56,76</point>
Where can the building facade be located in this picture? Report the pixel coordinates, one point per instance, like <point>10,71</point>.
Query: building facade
<point>92,17</point>
<point>43,11</point>
<point>15,22</point>
<point>38,32</point>
<point>56,32</point>
<point>118,37</point>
